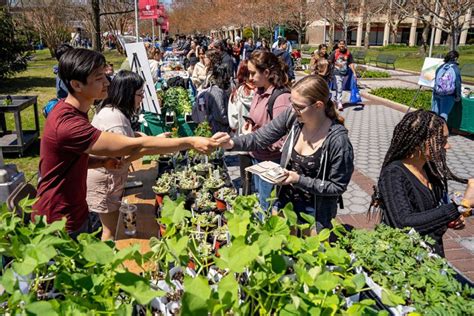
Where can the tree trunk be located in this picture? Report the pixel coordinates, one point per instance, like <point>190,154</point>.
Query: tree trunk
<point>367,35</point>
<point>96,38</point>
<point>454,37</point>
<point>424,38</point>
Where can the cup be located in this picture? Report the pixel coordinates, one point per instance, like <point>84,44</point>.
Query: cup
<point>129,217</point>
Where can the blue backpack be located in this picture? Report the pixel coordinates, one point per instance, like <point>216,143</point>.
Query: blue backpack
<point>49,107</point>
<point>445,81</point>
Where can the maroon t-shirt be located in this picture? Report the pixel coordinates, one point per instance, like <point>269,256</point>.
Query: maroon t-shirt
<point>63,166</point>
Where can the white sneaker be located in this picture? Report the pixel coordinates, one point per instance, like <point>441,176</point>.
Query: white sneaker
<point>339,106</point>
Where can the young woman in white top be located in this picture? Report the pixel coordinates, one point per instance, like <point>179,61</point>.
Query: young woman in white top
<point>199,72</point>
<point>105,187</point>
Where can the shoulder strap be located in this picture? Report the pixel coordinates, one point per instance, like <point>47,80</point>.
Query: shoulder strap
<point>271,101</point>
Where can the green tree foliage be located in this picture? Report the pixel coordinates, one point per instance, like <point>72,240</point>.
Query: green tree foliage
<point>14,50</point>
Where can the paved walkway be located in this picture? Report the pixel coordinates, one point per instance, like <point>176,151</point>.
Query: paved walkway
<point>370,130</point>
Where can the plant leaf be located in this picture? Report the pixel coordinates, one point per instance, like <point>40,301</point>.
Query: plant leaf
<point>137,287</point>
<point>391,299</point>
<point>98,252</point>
<point>196,294</point>
<point>326,281</point>
<point>41,308</point>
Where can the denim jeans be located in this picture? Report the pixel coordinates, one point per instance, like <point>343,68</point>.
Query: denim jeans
<point>442,105</point>
<point>339,82</point>
<point>263,188</point>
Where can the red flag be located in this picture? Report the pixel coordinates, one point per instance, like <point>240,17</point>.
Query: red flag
<point>148,9</point>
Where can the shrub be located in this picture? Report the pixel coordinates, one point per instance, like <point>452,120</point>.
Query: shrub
<point>405,96</point>
<point>14,50</point>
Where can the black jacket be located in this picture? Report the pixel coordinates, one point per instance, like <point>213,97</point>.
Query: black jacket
<point>337,158</point>
<point>406,202</point>
<point>286,57</point>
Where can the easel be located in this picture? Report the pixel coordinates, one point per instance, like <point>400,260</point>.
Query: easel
<point>414,99</point>
<point>137,67</point>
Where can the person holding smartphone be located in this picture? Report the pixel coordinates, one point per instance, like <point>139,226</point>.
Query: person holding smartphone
<point>272,97</point>
<point>317,155</point>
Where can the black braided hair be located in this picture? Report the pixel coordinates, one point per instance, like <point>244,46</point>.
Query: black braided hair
<point>419,130</point>
<point>416,131</point>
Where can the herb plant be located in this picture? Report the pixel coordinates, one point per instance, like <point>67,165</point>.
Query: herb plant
<point>411,274</point>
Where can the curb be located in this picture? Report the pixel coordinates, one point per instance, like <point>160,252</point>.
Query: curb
<point>388,103</point>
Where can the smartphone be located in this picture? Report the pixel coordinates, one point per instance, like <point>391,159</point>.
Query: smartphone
<point>248,119</point>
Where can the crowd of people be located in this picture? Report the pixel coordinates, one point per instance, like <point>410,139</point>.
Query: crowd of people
<point>255,108</point>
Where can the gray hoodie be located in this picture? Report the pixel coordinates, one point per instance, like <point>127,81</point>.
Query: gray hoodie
<point>337,158</point>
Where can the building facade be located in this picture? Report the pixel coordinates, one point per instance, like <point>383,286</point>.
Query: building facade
<point>409,32</point>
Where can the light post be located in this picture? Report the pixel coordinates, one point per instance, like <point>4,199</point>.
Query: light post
<point>433,29</point>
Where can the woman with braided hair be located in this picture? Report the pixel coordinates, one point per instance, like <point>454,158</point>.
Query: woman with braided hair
<point>413,183</point>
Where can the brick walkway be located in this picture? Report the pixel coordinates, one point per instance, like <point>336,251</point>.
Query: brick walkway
<point>370,130</point>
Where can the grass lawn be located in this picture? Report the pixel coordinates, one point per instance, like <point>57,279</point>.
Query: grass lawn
<point>405,96</point>
<point>38,80</point>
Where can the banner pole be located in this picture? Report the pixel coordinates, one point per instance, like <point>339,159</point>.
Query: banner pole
<point>136,20</point>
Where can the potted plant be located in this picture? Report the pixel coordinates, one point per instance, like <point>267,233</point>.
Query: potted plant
<point>223,197</point>
<point>202,169</point>
<point>188,181</point>
<point>213,182</point>
<point>164,185</point>
<point>204,202</point>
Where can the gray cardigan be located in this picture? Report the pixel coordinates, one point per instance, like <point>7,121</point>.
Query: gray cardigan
<point>337,159</point>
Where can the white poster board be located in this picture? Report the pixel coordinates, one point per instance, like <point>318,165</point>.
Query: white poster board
<point>428,71</point>
<point>138,61</point>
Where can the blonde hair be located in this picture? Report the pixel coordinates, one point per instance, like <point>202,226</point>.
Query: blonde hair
<point>315,88</point>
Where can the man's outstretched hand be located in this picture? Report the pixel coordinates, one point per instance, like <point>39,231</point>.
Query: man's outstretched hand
<point>224,140</point>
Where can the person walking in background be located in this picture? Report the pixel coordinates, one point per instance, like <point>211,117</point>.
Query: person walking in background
<point>282,53</point>
<point>61,88</point>
<point>249,47</point>
<point>319,64</point>
<point>447,87</point>
<point>341,60</point>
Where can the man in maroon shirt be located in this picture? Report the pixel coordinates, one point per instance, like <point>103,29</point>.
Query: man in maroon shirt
<point>68,139</point>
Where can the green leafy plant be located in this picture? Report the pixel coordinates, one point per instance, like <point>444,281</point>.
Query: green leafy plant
<point>51,274</point>
<point>226,194</point>
<point>177,99</point>
<point>410,275</point>
<point>373,74</point>
<point>263,270</point>
<point>405,96</point>
<point>165,183</point>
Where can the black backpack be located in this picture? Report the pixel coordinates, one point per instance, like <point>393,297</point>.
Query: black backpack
<point>275,94</point>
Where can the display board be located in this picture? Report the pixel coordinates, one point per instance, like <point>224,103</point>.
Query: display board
<point>138,61</point>
<point>428,71</point>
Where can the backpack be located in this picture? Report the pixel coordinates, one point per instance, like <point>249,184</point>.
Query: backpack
<point>49,107</point>
<point>445,80</point>
<point>271,101</point>
<point>200,106</point>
